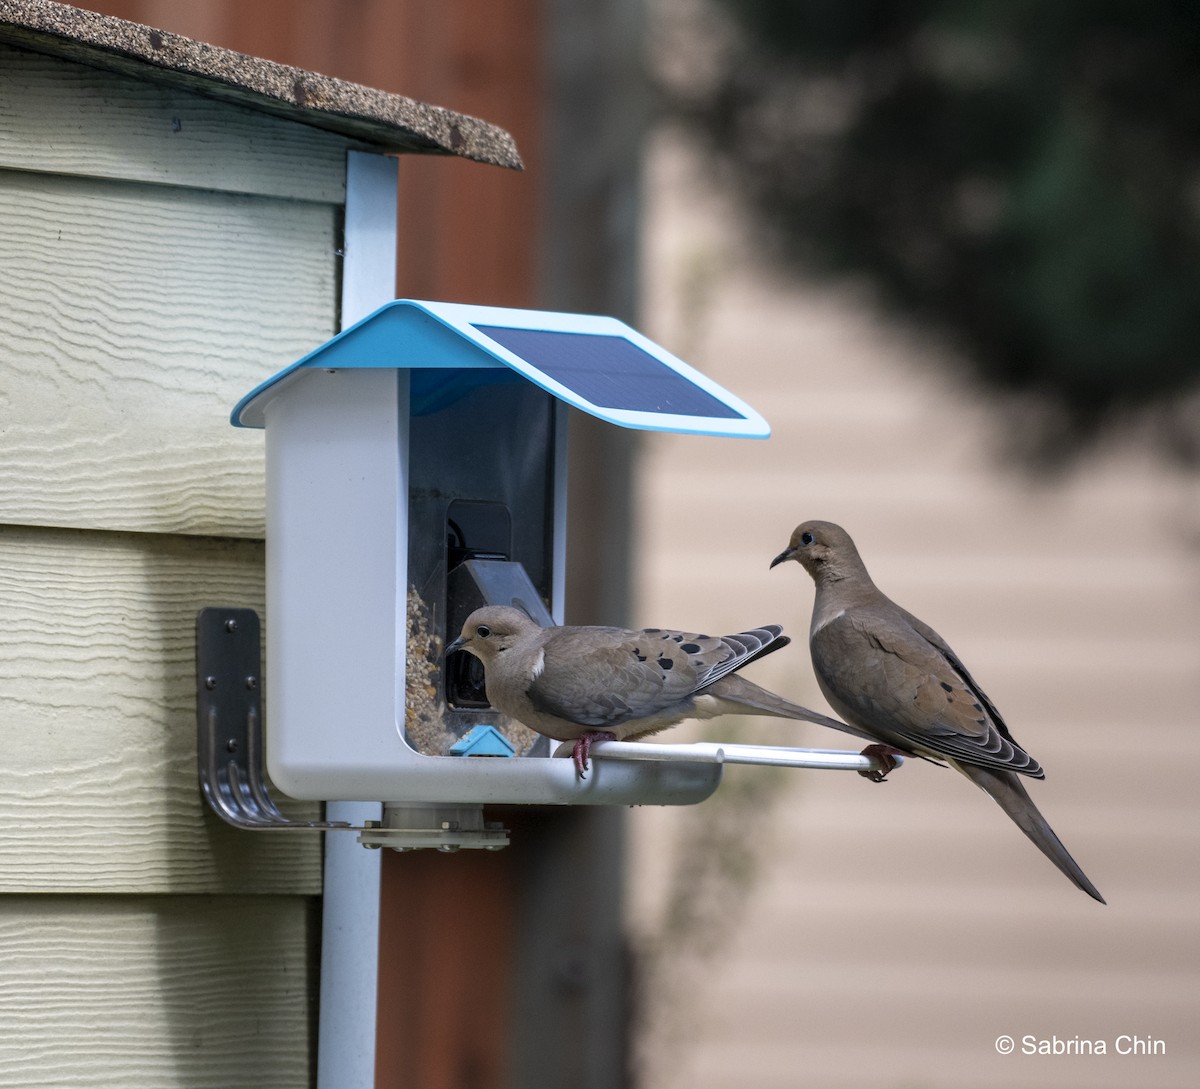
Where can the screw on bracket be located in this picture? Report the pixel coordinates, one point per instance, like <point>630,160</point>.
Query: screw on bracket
<point>229,727</point>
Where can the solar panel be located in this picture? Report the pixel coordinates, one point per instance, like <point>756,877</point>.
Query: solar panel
<point>610,372</point>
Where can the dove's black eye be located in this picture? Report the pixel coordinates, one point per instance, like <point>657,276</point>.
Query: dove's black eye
<point>806,538</point>
<point>483,631</point>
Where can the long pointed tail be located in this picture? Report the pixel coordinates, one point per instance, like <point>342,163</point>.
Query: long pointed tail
<point>742,696</point>
<point>1010,794</point>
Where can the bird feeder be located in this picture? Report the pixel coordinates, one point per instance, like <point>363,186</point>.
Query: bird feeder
<point>416,469</point>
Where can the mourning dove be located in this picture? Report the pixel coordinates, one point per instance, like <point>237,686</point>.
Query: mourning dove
<point>891,675</point>
<point>585,684</point>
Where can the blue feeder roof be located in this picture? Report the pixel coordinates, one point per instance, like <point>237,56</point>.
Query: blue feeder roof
<point>596,364</point>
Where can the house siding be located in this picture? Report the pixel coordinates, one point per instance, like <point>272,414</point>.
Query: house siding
<point>152,273</point>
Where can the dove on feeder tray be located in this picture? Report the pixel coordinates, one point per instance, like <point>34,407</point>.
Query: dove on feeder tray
<point>895,679</point>
<point>587,684</point>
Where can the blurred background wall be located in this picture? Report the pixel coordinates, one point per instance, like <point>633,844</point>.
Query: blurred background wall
<point>918,237</point>
<point>816,929</point>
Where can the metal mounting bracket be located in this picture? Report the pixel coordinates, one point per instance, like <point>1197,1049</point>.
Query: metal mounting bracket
<point>229,724</point>
<point>229,747</point>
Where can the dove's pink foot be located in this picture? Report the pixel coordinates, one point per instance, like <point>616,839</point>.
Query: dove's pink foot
<point>886,756</point>
<point>582,751</point>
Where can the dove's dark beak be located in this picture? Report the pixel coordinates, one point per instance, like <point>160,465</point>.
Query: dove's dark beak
<point>783,557</point>
<point>456,645</point>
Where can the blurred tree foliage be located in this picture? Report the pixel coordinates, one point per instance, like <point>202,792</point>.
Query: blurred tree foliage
<point>1023,174</point>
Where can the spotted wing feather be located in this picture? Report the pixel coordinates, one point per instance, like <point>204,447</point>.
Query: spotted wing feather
<point>604,677</point>
<point>915,694</point>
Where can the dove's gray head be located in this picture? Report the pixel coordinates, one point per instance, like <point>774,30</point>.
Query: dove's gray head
<point>492,630</point>
<point>824,550</point>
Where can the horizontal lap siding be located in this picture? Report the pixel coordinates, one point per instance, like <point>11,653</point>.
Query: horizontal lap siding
<point>133,318</point>
<point>160,255</point>
<point>98,703</point>
<point>154,992</point>
<point>61,118</point>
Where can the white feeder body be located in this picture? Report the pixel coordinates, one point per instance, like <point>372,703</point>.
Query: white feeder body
<point>416,468</point>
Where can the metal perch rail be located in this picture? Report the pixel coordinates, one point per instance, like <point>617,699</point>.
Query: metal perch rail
<point>713,752</point>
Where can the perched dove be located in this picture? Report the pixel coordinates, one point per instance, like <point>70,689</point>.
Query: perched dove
<point>586,684</point>
<point>895,678</point>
